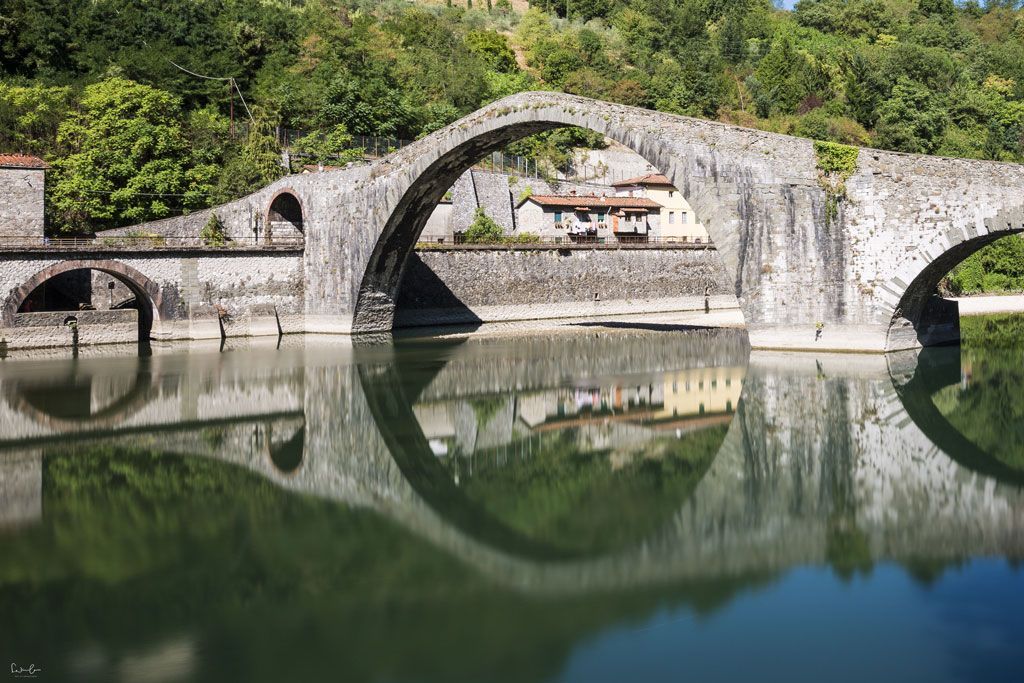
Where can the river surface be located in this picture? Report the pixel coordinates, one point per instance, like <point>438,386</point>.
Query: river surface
<point>609,504</point>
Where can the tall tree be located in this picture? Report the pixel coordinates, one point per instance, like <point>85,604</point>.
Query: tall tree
<point>129,159</point>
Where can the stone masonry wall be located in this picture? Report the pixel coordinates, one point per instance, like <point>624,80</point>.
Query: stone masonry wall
<point>470,285</point>
<point>48,329</point>
<point>202,294</point>
<point>21,202</point>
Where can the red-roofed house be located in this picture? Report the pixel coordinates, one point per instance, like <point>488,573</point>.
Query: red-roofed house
<point>678,222</point>
<point>581,217</point>
<point>22,192</point>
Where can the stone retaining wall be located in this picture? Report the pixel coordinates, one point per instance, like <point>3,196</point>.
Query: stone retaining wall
<point>50,329</point>
<point>449,286</point>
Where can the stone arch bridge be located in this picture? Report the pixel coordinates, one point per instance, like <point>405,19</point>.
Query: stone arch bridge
<point>810,269</point>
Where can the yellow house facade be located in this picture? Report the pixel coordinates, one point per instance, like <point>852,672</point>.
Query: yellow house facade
<point>677,222</point>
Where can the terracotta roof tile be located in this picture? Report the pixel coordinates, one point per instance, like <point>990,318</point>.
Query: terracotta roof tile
<point>592,201</point>
<point>648,179</point>
<point>21,161</point>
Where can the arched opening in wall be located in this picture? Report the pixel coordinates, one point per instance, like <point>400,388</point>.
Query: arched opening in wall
<point>938,290</point>
<point>582,190</point>
<point>284,217</point>
<point>106,299</point>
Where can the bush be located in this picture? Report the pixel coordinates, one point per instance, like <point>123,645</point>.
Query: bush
<point>213,233</point>
<point>484,230</point>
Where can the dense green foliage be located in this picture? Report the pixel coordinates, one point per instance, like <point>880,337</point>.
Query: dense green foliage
<point>918,76</point>
<point>998,267</point>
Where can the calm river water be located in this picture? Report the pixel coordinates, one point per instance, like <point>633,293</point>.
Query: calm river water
<point>602,505</point>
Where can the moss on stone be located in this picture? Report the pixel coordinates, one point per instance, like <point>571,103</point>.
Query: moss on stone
<point>836,164</point>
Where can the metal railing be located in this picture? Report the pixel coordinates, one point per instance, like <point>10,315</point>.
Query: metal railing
<point>139,242</point>
<point>568,241</point>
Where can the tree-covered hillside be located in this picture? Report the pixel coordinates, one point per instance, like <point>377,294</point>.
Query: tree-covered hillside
<point>113,94</point>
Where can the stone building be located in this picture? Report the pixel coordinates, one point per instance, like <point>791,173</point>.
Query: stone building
<point>22,195</point>
<point>678,222</point>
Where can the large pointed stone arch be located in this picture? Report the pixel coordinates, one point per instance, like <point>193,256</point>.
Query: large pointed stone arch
<point>730,181</point>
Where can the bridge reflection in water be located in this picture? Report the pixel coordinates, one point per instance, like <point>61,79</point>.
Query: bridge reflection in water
<point>462,477</point>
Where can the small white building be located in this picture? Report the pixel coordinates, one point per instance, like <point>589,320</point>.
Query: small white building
<point>678,222</point>
<point>581,218</point>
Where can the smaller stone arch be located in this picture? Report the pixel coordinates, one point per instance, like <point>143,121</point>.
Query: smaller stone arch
<point>285,216</point>
<point>146,292</point>
<point>921,317</point>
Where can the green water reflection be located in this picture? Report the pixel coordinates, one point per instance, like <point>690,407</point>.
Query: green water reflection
<point>984,406</point>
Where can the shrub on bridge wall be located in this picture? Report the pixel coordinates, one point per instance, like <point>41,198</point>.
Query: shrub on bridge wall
<point>836,164</point>
<point>213,233</point>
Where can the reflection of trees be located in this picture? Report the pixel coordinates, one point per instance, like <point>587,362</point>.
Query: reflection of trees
<point>985,407</point>
<point>138,548</point>
<point>586,500</point>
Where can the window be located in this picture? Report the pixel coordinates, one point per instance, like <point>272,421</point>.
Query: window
<point>671,217</point>
<point>671,193</point>
<point>682,217</point>
<point>601,216</point>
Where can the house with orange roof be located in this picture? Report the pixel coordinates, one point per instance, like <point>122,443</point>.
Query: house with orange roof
<point>677,221</point>
<point>583,218</point>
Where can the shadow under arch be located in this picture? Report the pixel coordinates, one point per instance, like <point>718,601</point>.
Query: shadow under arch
<point>935,368</point>
<point>388,393</point>
<point>467,141</point>
<point>147,292</point>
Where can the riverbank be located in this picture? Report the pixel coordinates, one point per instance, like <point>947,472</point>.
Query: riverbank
<point>987,305</point>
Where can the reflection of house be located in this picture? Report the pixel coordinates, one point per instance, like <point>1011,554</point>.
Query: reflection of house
<point>678,222</point>
<point>701,391</point>
<point>573,217</point>
<point>622,412</point>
